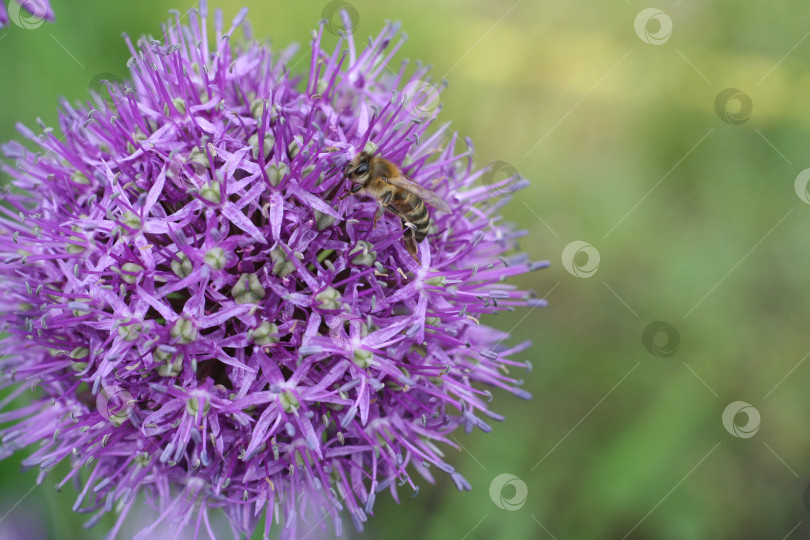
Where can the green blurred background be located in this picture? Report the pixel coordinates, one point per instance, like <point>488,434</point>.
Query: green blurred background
<point>696,222</point>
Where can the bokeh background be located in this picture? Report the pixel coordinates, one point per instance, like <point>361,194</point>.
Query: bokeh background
<point>691,212</point>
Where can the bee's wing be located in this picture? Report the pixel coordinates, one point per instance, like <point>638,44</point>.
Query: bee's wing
<point>420,191</point>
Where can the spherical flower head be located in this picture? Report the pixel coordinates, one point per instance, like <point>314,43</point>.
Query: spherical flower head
<point>211,319</point>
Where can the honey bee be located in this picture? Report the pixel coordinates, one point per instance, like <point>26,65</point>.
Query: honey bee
<point>380,179</point>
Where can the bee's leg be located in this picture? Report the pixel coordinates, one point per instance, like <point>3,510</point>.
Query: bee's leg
<point>382,204</point>
<point>354,189</point>
<point>411,245</point>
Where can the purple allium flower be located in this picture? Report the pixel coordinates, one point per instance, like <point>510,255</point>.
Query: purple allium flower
<point>25,13</point>
<point>207,322</point>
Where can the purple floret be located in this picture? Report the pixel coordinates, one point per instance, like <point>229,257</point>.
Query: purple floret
<point>208,322</point>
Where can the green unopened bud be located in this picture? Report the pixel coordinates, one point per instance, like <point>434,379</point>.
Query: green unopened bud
<point>73,249</point>
<point>247,290</point>
<point>308,170</point>
<point>200,157</point>
<point>142,459</point>
<point>370,147</point>
<point>436,280</point>
<point>79,352</point>
<point>215,258</point>
<point>80,178</point>
<point>293,148</point>
<point>276,172</point>
<point>324,220</point>
<point>171,363</point>
<point>282,266</point>
<point>129,331</point>
<point>193,406</point>
<point>131,272</point>
<point>263,334</point>
<point>329,298</point>
<point>183,331</point>
<point>363,358</point>
<point>78,355</point>
<point>256,108</point>
<point>269,141</point>
<point>131,220</point>
<point>137,137</point>
<point>181,266</point>
<point>179,104</point>
<point>362,254</point>
<point>288,402</point>
<point>210,192</point>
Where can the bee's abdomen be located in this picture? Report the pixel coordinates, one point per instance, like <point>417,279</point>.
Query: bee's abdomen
<point>416,213</point>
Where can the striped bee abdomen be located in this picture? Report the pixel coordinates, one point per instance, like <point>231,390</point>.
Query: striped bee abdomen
<point>413,210</point>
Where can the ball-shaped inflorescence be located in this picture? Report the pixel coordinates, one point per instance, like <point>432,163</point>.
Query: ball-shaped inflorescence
<point>209,322</point>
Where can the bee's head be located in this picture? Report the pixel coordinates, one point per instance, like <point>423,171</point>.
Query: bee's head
<point>357,169</point>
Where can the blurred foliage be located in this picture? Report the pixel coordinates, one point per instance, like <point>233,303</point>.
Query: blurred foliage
<point>605,125</point>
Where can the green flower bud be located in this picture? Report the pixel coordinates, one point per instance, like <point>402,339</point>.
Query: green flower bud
<point>80,178</point>
<point>181,266</point>
<point>131,272</point>
<point>193,406</point>
<point>269,141</point>
<point>210,192</point>
<point>183,331</point>
<point>172,363</point>
<point>179,104</point>
<point>363,358</point>
<point>215,258</point>
<point>262,335</point>
<point>288,402</point>
<point>328,298</point>
<point>247,290</point>
<point>362,254</point>
<point>200,157</point>
<point>324,220</point>
<point>129,331</point>
<point>276,172</point>
<point>131,220</point>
